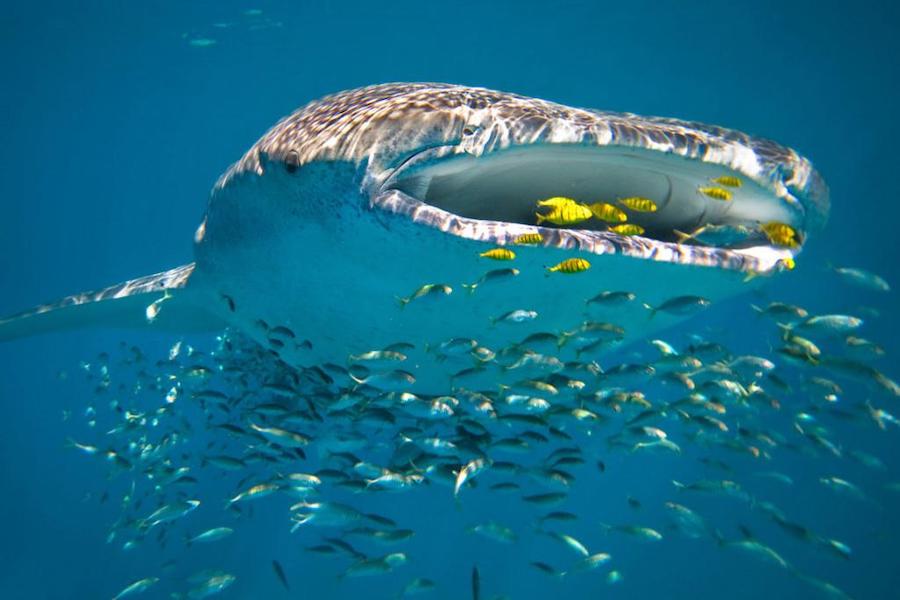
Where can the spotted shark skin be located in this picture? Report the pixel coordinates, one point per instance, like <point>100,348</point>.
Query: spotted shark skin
<point>361,139</point>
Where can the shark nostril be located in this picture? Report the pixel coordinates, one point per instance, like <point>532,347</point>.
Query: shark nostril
<point>292,161</point>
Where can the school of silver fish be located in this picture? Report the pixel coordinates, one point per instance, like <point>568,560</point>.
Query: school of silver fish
<point>323,439</point>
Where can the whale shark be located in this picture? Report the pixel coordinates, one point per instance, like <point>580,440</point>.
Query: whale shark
<point>395,191</point>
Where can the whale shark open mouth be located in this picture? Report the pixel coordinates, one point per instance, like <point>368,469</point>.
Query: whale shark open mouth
<point>494,198</point>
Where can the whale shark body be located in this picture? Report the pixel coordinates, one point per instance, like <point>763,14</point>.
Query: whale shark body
<point>366,196</point>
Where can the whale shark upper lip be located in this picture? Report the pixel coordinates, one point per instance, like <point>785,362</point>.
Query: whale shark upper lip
<point>410,189</point>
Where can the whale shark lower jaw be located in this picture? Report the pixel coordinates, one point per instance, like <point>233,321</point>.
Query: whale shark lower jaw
<point>493,198</point>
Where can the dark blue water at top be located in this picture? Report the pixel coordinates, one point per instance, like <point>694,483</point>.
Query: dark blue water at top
<point>114,128</point>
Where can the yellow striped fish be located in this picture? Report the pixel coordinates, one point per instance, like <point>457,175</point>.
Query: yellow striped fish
<point>627,229</point>
<point>568,214</point>
<point>556,202</point>
<point>781,234</point>
<point>570,266</point>
<point>528,239</point>
<point>728,181</point>
<point>498,254</point>
<point>608,212</point>
<point>639,204</point>
<point>716,193</point>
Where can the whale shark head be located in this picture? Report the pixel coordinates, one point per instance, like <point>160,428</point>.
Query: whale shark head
<point>336,220</point>
<point>367,196</point>
<point>473,162</point>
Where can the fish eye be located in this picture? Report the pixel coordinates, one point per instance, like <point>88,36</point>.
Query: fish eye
<point>469,130</point>
<point>292,161</point>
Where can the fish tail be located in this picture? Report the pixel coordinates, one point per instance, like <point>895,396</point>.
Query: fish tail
<point>403,301</point>
<point>682,236</point>
<point>652,310</point>
<point>298,523</point>
<point>470,287</point>
<point>786,329</point>
<point>540,218</point>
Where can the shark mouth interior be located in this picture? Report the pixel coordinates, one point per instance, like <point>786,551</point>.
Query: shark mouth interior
<point>506,186</point>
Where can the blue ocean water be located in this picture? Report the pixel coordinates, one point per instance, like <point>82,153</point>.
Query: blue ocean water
<point>115,126</point>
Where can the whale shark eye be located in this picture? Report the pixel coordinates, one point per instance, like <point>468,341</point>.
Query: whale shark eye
<point>292,161</point>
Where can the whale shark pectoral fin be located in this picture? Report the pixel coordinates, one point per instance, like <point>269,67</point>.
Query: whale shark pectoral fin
<point>160,301</point>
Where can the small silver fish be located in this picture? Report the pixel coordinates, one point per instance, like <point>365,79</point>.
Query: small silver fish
<point>830,323</point>
<point>429,290</point>
<point>492,277</point>
<point>137,587</point>
<point>211,535</point>
<point>515,316</point>
<point>391,381</point>
<point>861,278</point>
<point>680,305</point>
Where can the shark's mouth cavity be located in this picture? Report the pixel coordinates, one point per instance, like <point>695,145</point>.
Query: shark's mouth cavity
<point>697,217</point>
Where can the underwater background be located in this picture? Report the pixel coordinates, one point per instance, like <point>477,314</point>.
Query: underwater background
<point>116,121</point>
